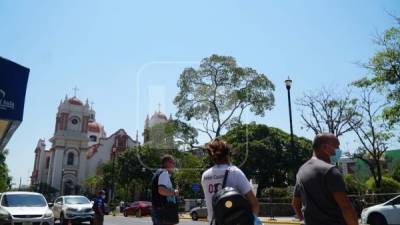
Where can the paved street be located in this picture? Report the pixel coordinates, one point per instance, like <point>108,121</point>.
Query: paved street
<point>120,220</point>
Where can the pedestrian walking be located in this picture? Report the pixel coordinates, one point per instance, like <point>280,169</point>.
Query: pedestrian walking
<point>320,193</point>
<point>223,172</point>
<point>164,196</point>
<point>99,208</point>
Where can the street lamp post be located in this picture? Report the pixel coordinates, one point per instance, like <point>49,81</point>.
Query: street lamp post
<point>288,83</point>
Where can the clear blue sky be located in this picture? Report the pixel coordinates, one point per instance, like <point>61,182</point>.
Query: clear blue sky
<point>117,52</point>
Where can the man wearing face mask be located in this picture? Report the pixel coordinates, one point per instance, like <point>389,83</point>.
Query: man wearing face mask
<point>99,208</point>
<point>320,193</point>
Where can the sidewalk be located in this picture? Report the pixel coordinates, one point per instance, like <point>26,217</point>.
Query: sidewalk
<point>264,220</point>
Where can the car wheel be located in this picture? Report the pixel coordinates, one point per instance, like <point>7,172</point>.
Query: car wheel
<point>125,214</point>
<point>194,216</point>
<point>139,213</point>
<point>377,219</point>
<point>62,220</point>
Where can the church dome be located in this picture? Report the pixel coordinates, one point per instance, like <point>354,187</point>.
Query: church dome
<point>158,116</point>
<point>94,127</point>
<point>75,101</point>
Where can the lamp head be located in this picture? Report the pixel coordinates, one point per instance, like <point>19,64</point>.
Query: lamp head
<point>288,83</point>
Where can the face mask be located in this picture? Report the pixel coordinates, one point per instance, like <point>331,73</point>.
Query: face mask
<point>103,196</point>
<point>335,158</point>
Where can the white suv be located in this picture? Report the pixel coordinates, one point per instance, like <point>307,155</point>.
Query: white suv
<point>24,208</point>
<point>383,214</point>
<point>76,208</point>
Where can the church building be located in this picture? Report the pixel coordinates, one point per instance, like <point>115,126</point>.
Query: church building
<point>79,145</point>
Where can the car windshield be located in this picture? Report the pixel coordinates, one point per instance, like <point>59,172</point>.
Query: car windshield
<point>76,200</point>
<point>23,200</point>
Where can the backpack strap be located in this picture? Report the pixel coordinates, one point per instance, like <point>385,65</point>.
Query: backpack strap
<point>225,176</point>
<point>223,186</point>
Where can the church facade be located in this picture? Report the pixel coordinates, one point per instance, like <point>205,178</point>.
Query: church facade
<point>79,145</point>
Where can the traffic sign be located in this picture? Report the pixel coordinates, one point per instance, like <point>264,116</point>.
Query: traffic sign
<point>196,187</point>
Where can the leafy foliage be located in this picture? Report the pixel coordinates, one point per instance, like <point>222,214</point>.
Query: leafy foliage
<point>5,180</point>
<point>353,186</point>
<point>92,183</point>
<point>384,67</point>
<point>388,185</point>
<point>188,173</point>
<point>219,91</point>
<point>264,154</point>
<point>173,134</point>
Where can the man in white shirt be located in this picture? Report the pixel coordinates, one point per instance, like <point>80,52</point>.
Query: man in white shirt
<point>212,179</point>
<point>162,190</point>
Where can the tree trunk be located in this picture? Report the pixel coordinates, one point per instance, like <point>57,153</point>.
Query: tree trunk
<point>379,174</point>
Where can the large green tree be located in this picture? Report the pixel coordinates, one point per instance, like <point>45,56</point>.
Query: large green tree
<point>218,92</point>
<point>264,154</point>
<point>384,69</point>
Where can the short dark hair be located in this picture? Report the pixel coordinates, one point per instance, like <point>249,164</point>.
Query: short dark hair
<point>321,139</point>
<point>218,150</point>
<point>166,158</point>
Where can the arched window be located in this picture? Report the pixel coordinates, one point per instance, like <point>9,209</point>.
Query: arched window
<point>93,138</point>
<point>70,159</point>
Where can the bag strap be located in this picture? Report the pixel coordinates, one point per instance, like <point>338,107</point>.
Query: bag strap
<point>225,177</point>
<point>223,186</point>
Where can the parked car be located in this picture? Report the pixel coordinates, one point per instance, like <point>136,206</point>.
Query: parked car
<point>138,208</point>
<point>382,214</point>
<point>76,208</point>
<point>24,208</point>
<point>198,212</point>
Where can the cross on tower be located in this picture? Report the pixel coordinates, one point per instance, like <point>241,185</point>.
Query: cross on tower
<point>159,107</point>
<point>75,90</point>
<point>91,105</point>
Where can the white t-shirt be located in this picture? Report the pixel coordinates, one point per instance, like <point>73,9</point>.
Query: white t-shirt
<point>165,179</point>
<point>212,179</point>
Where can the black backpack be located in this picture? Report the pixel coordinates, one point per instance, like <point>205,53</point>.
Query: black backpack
<point>231,207</point>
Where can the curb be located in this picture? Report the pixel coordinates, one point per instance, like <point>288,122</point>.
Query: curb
<point>263,220</point>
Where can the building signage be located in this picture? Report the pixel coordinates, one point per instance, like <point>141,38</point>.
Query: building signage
<point>13,81</point>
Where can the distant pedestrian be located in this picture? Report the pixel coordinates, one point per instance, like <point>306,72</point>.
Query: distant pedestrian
<point>320,193</point>
<point>212,179</point>
<point>99,208</point>
<point>164,196</point>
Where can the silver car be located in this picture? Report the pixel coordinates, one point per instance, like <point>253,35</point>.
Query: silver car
<point>76,208</point>
<point>25,208</point>
<point>381,214</point>
<point>198,212</point>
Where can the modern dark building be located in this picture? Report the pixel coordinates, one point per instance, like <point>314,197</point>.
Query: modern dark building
<point>13,82</point>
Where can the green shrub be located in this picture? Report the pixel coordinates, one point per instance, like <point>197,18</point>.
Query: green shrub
<point>276,195</point>
<point>353,186</point>
<point>395,172</point>
<point>388,185</point>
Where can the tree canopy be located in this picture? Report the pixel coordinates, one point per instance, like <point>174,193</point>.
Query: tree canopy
<point>264,154</point>
<point>384,69</point>
<point>219,91</point>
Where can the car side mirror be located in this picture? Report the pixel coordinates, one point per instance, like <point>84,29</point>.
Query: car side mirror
<point>50,204</point>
